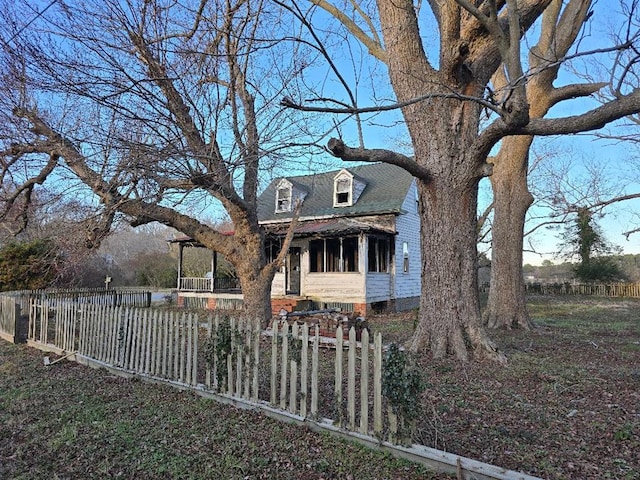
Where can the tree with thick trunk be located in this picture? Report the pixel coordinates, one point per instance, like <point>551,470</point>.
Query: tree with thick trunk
<point>560,26</point>
<point>156,110</point>
<point>442,107</point>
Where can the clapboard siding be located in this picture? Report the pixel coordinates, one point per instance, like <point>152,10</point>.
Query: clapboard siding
<point>408,226</point>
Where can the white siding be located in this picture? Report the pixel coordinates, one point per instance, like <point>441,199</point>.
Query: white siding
<point>278,284</point>
<point>348,287</point>
<point>408,227</point>
<point>379,287</point>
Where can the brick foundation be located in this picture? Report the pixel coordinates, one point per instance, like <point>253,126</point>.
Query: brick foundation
<point>278,304</point>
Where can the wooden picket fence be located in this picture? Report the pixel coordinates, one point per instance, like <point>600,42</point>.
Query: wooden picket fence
<point>229,357</point>
<point>97,296</point>
<point>630,290</point>
<point>283,371</point>
<point>9,314</point>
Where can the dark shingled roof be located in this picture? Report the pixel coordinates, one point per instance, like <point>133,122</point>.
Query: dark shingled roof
<point>387,187</point>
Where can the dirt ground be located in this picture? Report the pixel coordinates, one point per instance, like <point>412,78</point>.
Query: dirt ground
<point>567,406</point>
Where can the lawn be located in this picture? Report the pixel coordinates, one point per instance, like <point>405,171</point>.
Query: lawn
<point>567,406</point>
<point>67,421</point>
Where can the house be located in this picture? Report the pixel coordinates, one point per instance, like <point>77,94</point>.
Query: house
<point>356,245</point>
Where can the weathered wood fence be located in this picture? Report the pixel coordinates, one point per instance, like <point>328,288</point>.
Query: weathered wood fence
<point>9,320</point>
<point>631,290</point>
<point>228,356</point>
<point>96,296</point>
<point>282,369</point>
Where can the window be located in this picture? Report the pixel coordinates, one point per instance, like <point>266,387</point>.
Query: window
<point>316,256</point>
<point>283,199</point>
<point>272,249</point>
<point>378,254</point>
<point>350,254</point>
<point>343,191</point>
<point>333,255</point>
<point>405,257</point>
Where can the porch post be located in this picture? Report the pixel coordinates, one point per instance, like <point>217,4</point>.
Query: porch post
<point>180,247</point>
<point>214,268</point>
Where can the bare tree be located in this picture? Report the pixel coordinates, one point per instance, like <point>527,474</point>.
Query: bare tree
<point>561,26</point>
<point>155,112</point>
<point>443,98</point>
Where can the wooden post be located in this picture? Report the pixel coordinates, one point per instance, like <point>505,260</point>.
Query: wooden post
<point>216,331</point>
<point>351,380</point>
<point>274,361</point>
<point>183,345</point>
<point>283,366</point>
<point>377,385</point>
<point>293,381</point>
<point>338,377</point>
<point>189,349</point>
<point>194,351</point>
<point>364,382</point>
<point>237,333</point>
<point>207,379</point>
<point>256,358</point>
<point>314,373</point>
<point>304,362</point>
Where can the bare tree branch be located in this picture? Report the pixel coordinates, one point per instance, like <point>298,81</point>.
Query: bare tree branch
<point>338,149</point>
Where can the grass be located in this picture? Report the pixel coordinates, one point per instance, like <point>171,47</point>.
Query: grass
<point>567,405</point>
<point>69,421</point>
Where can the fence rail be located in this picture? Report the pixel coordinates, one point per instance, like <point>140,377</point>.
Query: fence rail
<point>204,284</point>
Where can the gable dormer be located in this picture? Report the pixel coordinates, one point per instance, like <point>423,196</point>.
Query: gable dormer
<point>346,188</point>
<point>287,195</point>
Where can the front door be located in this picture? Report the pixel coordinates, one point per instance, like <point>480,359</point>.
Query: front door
<point>293,271</point>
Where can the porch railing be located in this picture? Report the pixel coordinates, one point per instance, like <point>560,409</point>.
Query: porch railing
<point>203,284</point>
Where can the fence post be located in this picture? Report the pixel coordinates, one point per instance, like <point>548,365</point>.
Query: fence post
<point>22,325</point>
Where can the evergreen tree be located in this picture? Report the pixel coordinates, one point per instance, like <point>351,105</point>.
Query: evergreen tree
<point>28,265</point>
<point>584,239</point>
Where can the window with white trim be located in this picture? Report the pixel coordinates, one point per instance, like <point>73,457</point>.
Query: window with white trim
<point>283,199</point>
<point>405,257</point>
<point>342,192</point>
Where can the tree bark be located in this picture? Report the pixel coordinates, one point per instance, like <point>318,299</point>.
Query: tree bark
<point>506,307</point>
<point>449,316</point>
<point>442,133</point>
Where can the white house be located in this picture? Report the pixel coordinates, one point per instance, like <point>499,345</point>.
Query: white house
<point>356,245</point>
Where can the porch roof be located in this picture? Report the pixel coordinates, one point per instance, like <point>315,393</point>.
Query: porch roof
<point>336,226</point>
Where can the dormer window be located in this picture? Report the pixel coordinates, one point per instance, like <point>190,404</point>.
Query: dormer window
<point>343,192</point>
<point>288,195</point>
<point>283,197</point>
<point>283,203</point>
<point>346,188</point>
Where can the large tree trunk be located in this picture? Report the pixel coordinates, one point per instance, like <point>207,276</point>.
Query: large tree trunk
<point>442,132</point>
<point>256,292</point>
<point>507,302</point>
<point>506,307</point>
<point>449,317</point>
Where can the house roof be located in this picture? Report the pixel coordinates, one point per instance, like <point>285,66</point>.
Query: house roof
<point>386,189</point>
